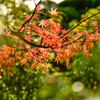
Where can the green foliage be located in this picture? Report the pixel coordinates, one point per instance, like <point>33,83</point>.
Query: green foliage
<point>8,40</point>
<point>22,85</point>
<point>75,8</point>
<point>15,12</point>
<point>2,41</point>
<point>80,4</point>
<point>70,11</point>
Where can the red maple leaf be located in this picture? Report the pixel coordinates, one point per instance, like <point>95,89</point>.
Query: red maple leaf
<point>0,73</point>
<point>28,38</point>
<point>53,12</point>
<point>35,16</point>
<point>38,8</point>
<point>94,23</point>
<point>43,23</point>
<point>63,31</point>
<point>27,17</point>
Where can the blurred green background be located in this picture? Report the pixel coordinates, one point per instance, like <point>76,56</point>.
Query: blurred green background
<point>81,81</point>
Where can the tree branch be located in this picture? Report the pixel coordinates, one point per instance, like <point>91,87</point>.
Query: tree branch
<point>80,23</point>
<point>32,44</point>
<point>30,17</point>
<point>34,2</point>
<point>80,37</point>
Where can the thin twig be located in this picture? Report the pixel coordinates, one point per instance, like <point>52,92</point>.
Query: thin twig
<point>80,23</point>
<point>79,38</point>
<point>34,2</point>
<point>30,17</point>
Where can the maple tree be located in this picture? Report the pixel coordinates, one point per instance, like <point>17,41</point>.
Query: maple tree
<point>37,41</point>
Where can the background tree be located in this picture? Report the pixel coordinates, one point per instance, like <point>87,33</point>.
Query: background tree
<point>74,9</point>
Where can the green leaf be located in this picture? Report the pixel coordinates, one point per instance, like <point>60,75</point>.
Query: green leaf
<point>2,41</point>
<point>9,40</point>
